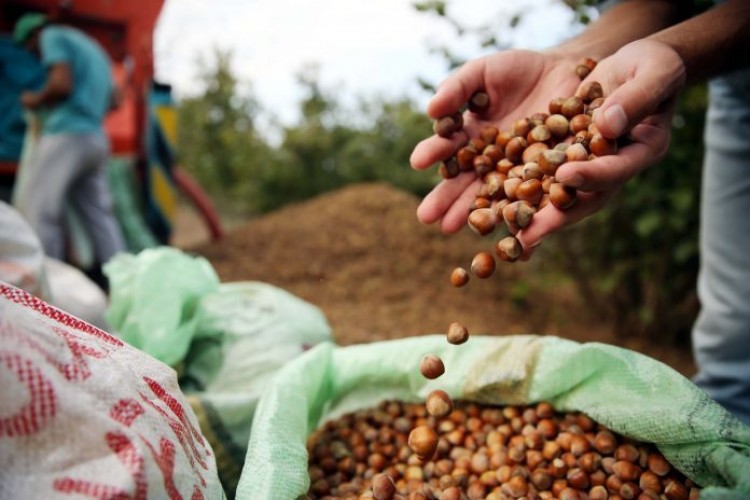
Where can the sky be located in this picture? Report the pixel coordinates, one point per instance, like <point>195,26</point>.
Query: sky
<point>362,48</point>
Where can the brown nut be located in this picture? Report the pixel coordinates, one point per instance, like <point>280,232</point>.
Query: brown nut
<point>579,123</point>
<point>585,67</point>
<point>509,249</point>
<point>517,215</point>
<point>483,265</point>
<point>482,221</point>
<point>572,106</point>
<point>446,126</point>
<point>457,333</point>
<point>488,133</point>
<point>383,487</point>
<point>465,158</point>
<point>423,441</point>
<point>431,366</point>
<point>459,277</point>
<point>449,168</point>
<point>530,190</point>
<point>438,403</point>
<point>479,102</point>
<point>590,91</point>
<point>533,152</point>
<point>562,196</point>
<point>483,165</point>
<point>555,105</point>
<point>540,133</point>
<point>551,160</point>
<point>515,148</point>
<point>658,464</point>
<point>576,152</point>
<point>532,170</point>
<point>601,146</point>
<point>558,125</point>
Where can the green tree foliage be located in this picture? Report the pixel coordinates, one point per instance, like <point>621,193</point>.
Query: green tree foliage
<point>218,140</point>
<point>326,150</point>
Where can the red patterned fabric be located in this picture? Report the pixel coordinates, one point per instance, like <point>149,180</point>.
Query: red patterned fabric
<point>84,415</point>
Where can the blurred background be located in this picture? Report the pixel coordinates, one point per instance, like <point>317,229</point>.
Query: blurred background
<point>289,116</point>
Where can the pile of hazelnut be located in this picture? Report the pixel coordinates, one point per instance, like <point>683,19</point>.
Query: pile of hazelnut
<point>484,452</point>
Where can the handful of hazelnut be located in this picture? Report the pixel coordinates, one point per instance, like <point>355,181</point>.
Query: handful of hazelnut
<point>517,166</point>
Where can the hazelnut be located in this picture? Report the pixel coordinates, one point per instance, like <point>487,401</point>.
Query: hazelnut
<point>572,106</point>
<point>515,148</point>
<point>509,249</point>
<point>533,152</point>
<point>457,333</point>
<point>438,403</point>
<point>465,158</point>
<point>562,196</point>
<point>555,105</point>
<point>423,441</point>
<point>446,126</point>
<point>532,170</point>
<point>605,442</point>
<point>449,168</point>
<point>431,366</point>
<point>579,123</point>
<point>383,487</point>
<point>482,221</point>
<point>550,160</point>
<point>591,91</point>
<point>488,133</point>
<point>576,152</point>
<point>540,133</point>
<point>509,186</point>
<point>459,277</point>
<point>558,125</point>
<point>479,102</point>
<point>530,190</point>
<point>658,464</point>
<point>601,146</point>
<point>483,265</point>
<point>483,164</point>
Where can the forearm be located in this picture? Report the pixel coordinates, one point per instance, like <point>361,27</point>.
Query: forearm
<point>714,42</point>
<point>625,22</point>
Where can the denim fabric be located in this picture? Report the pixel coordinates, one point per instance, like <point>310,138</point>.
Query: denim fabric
<point>721,335</point>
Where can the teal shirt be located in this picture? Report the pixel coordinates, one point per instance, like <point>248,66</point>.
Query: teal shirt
<point>84,109</point>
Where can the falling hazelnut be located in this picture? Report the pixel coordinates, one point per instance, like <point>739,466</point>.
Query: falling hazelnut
<point>483,265</point>
<point>457,333</point>
<point>431,366</point>
<point>459,277</point>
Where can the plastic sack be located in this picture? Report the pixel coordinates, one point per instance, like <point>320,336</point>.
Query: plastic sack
<point>86,415</point>
<point>245,333</point>
<point>227,340</point>
<point>21,254</point>
<point>154,298</point>
<point>632,394</point>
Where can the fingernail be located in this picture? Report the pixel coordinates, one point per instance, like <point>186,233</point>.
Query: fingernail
<point>616,119</point>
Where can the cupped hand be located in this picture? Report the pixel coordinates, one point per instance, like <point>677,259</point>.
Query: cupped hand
<point>640,82</point>
<point>519,84</point>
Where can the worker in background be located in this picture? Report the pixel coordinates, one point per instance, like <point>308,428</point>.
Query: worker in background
<point>68,162</point>
<point>647,53</point>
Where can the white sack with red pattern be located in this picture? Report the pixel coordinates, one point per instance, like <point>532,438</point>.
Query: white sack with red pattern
<point>84,415</point>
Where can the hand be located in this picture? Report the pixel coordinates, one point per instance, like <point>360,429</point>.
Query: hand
<point>30,100</point>
<point>641,82</point>
<point>519,83</point>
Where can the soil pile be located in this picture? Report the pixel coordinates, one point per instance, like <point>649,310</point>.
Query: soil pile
<point>361,256</point>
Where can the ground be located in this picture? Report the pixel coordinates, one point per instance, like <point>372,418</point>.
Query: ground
<point>360,255</point>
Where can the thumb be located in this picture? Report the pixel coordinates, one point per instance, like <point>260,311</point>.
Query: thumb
<point>653,80</point>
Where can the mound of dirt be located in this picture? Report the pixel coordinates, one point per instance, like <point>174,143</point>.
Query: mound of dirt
<point>361,256</point>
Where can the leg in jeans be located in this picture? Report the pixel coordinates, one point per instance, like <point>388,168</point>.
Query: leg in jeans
<point>721,335</point>
<point>91,197</point>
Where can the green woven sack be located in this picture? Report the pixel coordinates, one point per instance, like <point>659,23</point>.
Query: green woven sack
<point>626,391</point>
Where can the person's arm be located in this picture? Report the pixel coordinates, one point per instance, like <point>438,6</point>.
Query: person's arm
<point>715,42</point>
<point>641,82</point>
<point>59,85</point>
<point>621,24</point>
